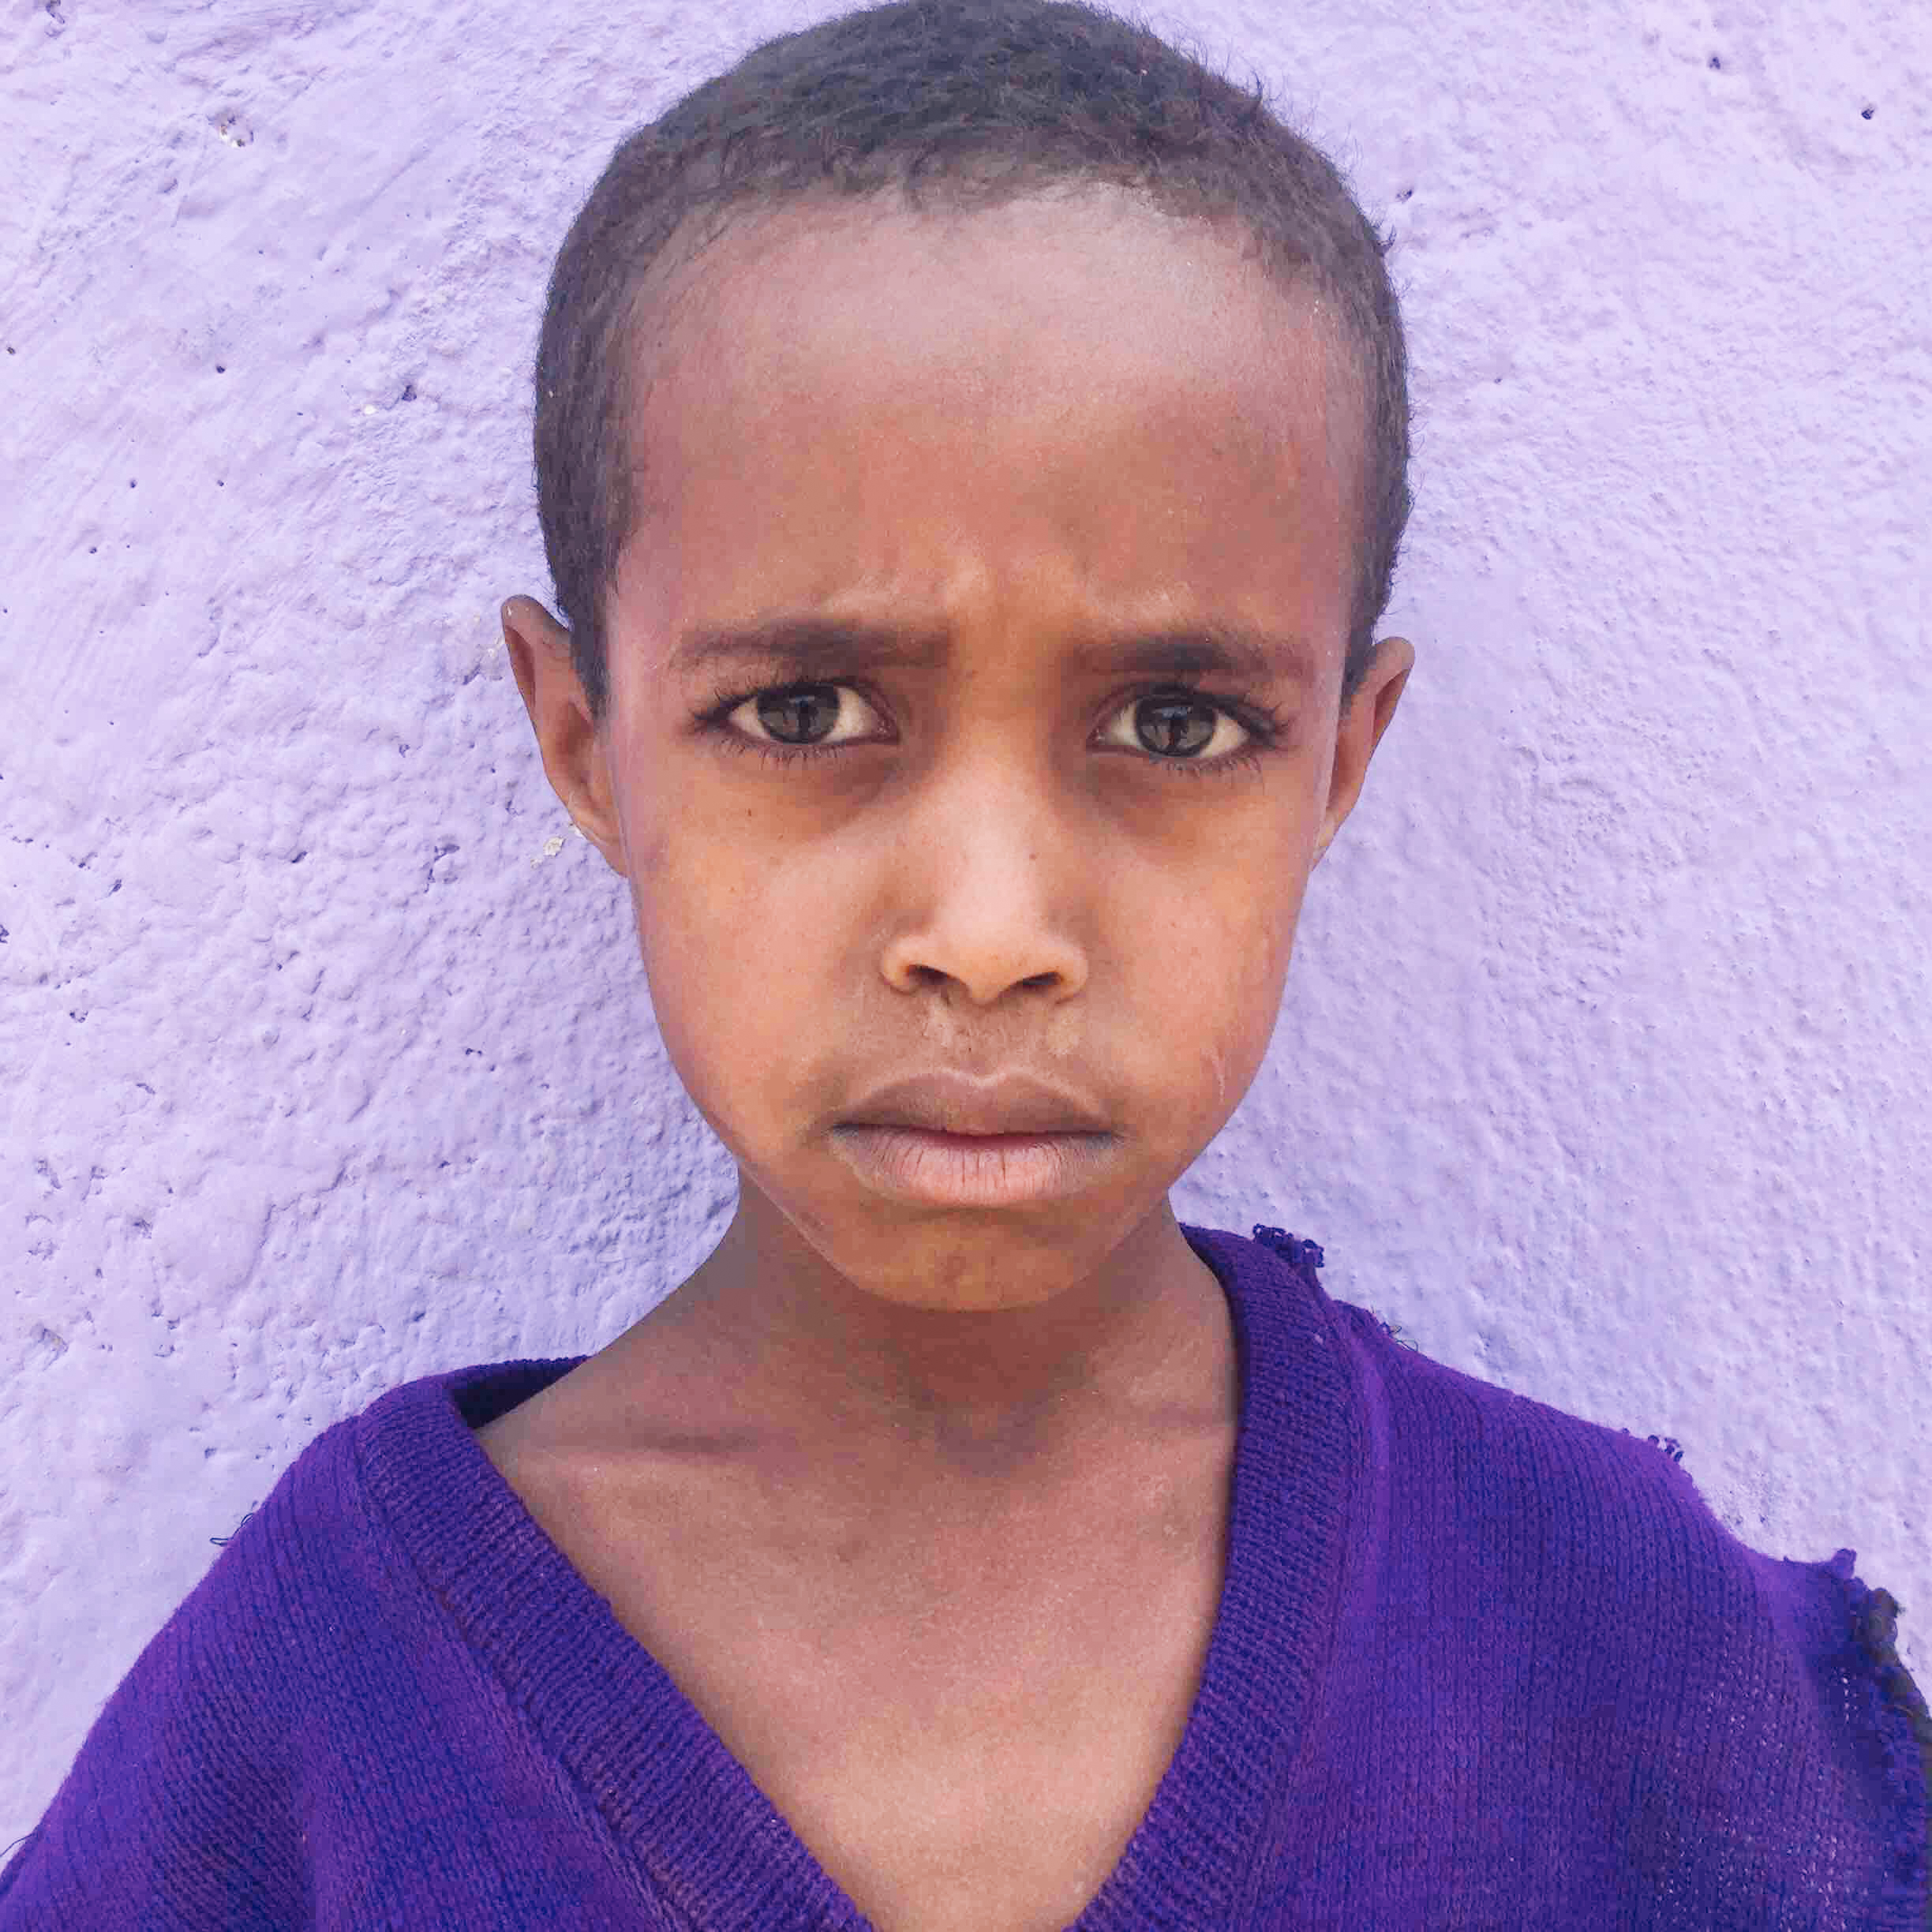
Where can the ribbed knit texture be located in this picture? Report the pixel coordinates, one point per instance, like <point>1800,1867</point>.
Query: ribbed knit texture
<point>1477,1663</point>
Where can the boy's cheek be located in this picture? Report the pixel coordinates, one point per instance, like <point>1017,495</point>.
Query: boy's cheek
<point>764,967</point>
<point>725,938</point>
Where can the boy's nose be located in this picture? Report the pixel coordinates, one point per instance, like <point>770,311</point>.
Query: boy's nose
<point>987,895</point>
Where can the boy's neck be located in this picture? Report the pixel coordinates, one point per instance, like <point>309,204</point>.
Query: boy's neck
<point>758,1333</point>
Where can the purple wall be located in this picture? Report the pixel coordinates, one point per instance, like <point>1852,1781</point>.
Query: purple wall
<point>325,1057</point>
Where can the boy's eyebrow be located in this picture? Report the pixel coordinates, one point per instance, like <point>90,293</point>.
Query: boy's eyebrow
<point>814,646</point>
<point>1229,649</point>
<point>808,644</point>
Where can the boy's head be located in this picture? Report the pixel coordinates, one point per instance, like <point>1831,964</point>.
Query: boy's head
<point>945,105</point>
<point>972,445</point>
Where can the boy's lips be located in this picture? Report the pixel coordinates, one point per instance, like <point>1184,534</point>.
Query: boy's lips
<point>946,1102</point>
<point>947,1139</point>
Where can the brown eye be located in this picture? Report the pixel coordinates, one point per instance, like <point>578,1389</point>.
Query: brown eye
<point>1187,730</point>
<point>1174,725</point>
<point>800,715</point>
<point>799,721</point>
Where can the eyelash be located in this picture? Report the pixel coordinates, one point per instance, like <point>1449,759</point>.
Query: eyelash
<point>1261,722</point>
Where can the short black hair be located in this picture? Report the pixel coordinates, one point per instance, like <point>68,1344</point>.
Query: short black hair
<point>975,102</point>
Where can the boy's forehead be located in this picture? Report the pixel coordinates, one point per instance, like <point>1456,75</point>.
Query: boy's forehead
<point>857,406</point>
<point>1095,278</point>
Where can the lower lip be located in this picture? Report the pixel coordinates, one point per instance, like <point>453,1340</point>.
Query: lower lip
<point>970,1171</point>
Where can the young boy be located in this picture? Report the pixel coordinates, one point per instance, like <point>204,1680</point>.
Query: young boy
<point>971,442</point>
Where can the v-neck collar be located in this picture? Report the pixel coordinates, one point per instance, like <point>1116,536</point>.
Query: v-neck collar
<point>721,1854</point>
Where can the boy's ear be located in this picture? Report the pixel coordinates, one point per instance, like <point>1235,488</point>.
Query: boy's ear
<point>566,735</point>
<point>1361,732</point>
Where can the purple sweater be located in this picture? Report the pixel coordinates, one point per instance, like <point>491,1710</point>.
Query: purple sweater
<point>1477,1664</point>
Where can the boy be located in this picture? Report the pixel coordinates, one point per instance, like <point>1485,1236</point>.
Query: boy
<point>972,444</point>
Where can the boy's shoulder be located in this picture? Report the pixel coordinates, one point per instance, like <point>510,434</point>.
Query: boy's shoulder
<point>1494,1447</point>
<point>1537,1506</point>
<point>1547,1606</point>
<point>1487,1435</point>
<point>318,1583</point>
<point>317,1641</point>
<point>306,1561</point>
<point>1437,1432</point>
<point>351,1518</point>
<point>1519,1473</point>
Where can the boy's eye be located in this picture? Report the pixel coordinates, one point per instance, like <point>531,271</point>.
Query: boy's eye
<point>1181,725</point>
<point>800,714</point>
<point>1174,726</point>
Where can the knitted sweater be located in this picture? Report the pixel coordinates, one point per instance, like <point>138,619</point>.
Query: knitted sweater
<point>1477,1664</point>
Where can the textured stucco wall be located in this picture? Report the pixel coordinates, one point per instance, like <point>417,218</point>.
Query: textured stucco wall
<point>325,1058</point>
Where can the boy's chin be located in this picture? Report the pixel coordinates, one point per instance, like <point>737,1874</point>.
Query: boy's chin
<point>910,1249</point>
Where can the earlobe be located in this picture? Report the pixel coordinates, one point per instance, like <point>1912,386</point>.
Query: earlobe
<point>567,735</point>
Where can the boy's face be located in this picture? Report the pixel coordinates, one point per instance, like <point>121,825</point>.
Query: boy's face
<point>1012,455</point>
